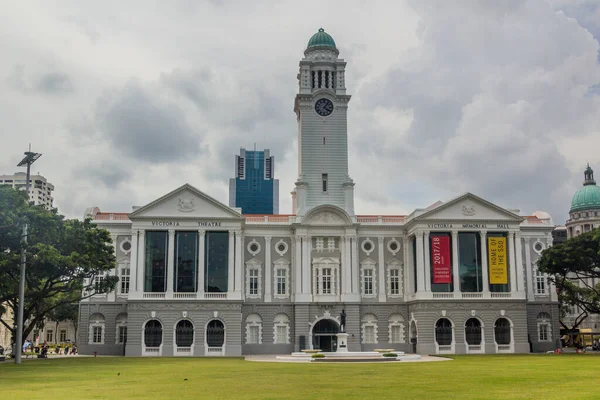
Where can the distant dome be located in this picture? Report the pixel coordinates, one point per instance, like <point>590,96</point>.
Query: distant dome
<point>587,197</point>
<point>321,39</point>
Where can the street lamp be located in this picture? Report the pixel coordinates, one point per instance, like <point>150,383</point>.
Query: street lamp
<point>29,159</point>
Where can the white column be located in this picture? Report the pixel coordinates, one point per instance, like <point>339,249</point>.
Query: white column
<point>297,264</point>
<point>306,265</point>
<point>529,271</point>
<point>455,263</point>
<point>408,270</point>
<point>551,286</point>
<point>268,270</point>
<point>344,272</point>
<point>348,260</point>
<point>171,263</point>
<point>381,278</point>
<point>513,263</point>
<point>239,258</point>
<point>420,261</point>
<point>484,264</point>
<point>427,263</point>
<point>133,263</point>
<point>201,263</point>
<point>355,274</point>
<point>113,294</point>
<point>231,263</point>
<point>519,263</point>
<point>141,260</point>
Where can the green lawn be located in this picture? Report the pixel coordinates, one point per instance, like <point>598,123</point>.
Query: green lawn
<point>466,377</point>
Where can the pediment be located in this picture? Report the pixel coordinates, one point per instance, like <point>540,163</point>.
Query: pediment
<point>469,207</point>
<point>327,215</point>
<point>185,202</point>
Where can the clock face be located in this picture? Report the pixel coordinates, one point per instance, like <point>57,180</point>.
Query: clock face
<point>324,107</point>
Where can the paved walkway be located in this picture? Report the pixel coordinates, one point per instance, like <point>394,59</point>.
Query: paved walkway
<point>273,358</point>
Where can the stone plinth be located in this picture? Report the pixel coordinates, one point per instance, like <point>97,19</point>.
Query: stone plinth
<point>342,343</point>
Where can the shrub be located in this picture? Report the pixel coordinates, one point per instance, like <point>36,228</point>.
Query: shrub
<point>318,355</point>
<point>390,355</point>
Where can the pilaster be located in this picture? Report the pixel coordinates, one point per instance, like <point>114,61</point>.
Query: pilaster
<point>485,273</point>
<point>113,295</point>
<point>141,262</point>
<point>381,277</point>
<point>420,263</point>
<point>513,263</point>
<point>355,272</point>
<point>268,270</point>
<point>427,262</point>
<point>231,263</point>
<point>297,266</point>
<point>171,263</point>
<point>529,268</point>
<point>201,262</point>
<point>519,263</point>
<point>455,265</point>
<point>407,275</point>
<point>134,272</point>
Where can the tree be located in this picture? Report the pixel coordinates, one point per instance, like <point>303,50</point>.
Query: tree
<point>65,312</point>
<point>574,267</point>
<point>67,259</point>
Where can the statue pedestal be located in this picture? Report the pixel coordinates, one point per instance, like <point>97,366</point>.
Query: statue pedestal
<point>342,342</point>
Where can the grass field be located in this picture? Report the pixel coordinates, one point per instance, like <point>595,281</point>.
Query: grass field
<point>466,377</point>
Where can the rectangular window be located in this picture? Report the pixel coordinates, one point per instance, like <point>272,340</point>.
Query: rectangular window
<point>125,275</point>
<point>49,336</point>
<point>369,334</point>
<point>216,265</point>
<point>394,281</point>
<point>98,283</point>
<point>543,331</point>
<point>499,287</point>
<point>326,281</point>
<point>469,261</point>
<point>155,275</point>
<point>97,334</point>
<point>368,281</point>
<point>186,261</point>
<point>396,334</point>
<point>253,276</point>
<point>540,283</point>
<point>281,334</point>
<point>122,334</point>
<point>324,179</point>
<point>281,282</point>
<point>253,334</point>
<point>63,335</point>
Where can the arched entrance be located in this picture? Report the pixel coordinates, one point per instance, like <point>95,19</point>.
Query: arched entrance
<point>324,335</point>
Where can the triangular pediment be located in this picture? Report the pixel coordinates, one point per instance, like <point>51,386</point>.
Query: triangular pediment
<point>185,202</point>
<point>469,207</point>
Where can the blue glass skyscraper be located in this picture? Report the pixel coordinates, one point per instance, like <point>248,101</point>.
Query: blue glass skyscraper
<point>254,189</point>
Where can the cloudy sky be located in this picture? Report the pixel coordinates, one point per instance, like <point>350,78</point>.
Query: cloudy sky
<point>128,100</point>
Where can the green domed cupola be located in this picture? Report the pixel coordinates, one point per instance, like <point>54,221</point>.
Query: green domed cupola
<point>587,197</point>
<point>321,39</point>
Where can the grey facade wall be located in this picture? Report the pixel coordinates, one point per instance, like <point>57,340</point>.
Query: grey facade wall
<point>533,310</point>
<point>267,312</point>
<point>110,312</point>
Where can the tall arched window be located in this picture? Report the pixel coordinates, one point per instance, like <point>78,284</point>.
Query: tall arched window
<point>443,332</point>
<point>215,333</point>
<point>184,333</point>
<point>153,333</point>
<point>121,331</point>
<point>281,329</point>
<point>96,330</point>
<point>544,321</point>
<point>502,331</point>
<point>253,329</point>
<point>473,332</point>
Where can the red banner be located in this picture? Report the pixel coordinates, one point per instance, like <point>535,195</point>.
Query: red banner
<point>440,259</point>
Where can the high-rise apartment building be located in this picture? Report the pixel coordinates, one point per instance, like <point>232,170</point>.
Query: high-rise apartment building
<point>40,190</point>
<point>254,188</point>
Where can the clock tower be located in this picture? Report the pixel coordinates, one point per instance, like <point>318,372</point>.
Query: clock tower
<point>321,107</point>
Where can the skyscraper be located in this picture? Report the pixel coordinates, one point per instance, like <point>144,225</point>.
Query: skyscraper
<point>254,189</point>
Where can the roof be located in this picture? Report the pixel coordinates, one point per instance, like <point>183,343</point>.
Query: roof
<point>321,39</point>
<point>586,198</point>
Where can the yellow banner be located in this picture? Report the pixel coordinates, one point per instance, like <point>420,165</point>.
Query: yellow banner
<point>497,260</point>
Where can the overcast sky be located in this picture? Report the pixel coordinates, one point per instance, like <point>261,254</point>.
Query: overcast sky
<point>128,100</point>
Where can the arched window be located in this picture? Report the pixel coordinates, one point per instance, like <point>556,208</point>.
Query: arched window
<point>396,329</point>
<point>443,332</point>
<point>369,328</point>
<point>281,329</point>
<point>544,324</point>
<point>215,333</point>
<point>253,329</point>
<point>121,331</point>
<point>153,333</point>
<point>473,332</point>
<point>502,331</point>
<point>96,331</point>
<point>184,333</point>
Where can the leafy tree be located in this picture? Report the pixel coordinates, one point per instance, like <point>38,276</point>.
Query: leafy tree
<point>64,312</point>
<point>64,257</point>
<point>574,266</point>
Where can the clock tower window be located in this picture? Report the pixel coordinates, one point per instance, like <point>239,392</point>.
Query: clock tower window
<point>324,178</point>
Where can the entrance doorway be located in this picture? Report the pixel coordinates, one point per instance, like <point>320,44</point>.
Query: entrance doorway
<point>324,335</point>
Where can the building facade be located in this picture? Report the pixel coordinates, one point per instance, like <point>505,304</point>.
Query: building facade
<point>198,278</point>
<point>584,215</point>
<point>40,190</point>
<point>254,189</point>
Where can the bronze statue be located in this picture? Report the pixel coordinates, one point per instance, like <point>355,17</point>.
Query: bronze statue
<point>343,321</point>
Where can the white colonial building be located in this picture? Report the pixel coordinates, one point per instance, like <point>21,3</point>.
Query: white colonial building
<point>197,278</point>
